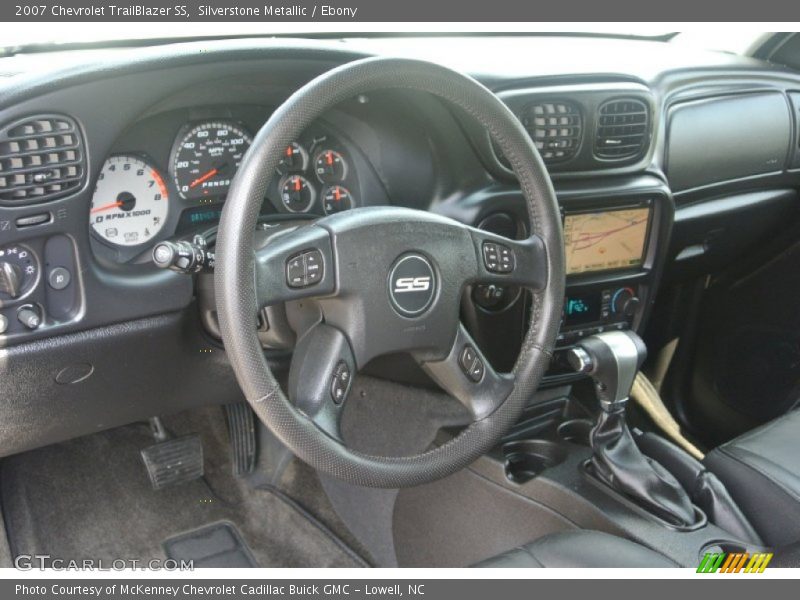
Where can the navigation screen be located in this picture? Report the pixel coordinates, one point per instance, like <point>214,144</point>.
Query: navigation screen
<point>601,241</point>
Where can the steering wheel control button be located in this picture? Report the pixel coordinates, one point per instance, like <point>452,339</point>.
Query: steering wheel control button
<point>412,285</point>
<point>498,258</point>
<point>467,358</point>
<point>296,272</point>
<point>59,278</point>
<point>471,364</point>
<point>313,262</point>
<point>476,372</point>
<point>303,270</point>
<point>343,373</point>
<point>340,382</point>
<point>29,316</point>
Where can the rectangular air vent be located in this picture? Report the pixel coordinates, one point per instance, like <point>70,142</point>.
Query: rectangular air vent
<point>555,127</point>
<point>41,158</point>
<point>622,129</point>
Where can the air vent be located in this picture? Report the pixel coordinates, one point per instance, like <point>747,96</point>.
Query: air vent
<point>555,128</point>
<point>41,158</point>
<point>622,128</point>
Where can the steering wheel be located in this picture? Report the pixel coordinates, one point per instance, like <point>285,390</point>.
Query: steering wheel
<point>373,281</point>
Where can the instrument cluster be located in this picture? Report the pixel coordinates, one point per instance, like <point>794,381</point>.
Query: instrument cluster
<point>316,176</point>
<point>137,201</point>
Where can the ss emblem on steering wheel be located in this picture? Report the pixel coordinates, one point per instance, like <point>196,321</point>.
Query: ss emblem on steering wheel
<point>412,284</point>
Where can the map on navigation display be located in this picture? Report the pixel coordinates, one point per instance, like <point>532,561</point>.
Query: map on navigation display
<point>601,241</point>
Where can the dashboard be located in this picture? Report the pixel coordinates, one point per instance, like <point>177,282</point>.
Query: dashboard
<point>666,167</point>
<point>168,175</point>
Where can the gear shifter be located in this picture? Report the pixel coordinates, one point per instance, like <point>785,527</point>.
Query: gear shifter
<point>612,360</point>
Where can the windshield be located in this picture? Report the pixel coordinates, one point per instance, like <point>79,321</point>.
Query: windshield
<point>34,36</point>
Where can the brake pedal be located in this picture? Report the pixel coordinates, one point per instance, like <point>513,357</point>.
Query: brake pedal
<point>174,461</point>
<point>242,430</point>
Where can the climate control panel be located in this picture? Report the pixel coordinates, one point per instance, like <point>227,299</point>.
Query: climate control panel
<point>596,310</point>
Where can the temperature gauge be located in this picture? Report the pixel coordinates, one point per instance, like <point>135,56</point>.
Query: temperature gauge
<point>297,194</point>
<point>336,199</point>
<point>330,166</point>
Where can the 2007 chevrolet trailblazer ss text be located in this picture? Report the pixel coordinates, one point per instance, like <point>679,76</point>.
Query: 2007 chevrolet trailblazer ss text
<point>475,300</point>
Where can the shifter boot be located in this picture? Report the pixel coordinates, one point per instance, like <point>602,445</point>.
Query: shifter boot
<point>618,462</point>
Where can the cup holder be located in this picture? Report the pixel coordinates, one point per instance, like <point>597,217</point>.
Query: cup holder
<point>575,431</point>
<point>526,459</point>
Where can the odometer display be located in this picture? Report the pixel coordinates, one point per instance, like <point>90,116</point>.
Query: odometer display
<point>206,157</point>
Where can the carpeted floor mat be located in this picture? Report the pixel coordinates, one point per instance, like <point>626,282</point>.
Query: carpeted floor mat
<point>91,498</point>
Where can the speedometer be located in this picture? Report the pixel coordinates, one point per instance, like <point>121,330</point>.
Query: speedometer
<point>129,206</point>
<point>206,156</point>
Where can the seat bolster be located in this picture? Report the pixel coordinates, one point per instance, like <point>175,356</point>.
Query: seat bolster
<point>579,548</point>
<point>771,504</point>
<point>518,558</point>
<point>762,473</point>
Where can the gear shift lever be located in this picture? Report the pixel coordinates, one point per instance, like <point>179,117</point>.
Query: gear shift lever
<point>612,360</point>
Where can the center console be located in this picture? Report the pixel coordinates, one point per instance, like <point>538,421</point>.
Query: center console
<point>612,247</point>
<point>604,245</point>
<point>615,238</point>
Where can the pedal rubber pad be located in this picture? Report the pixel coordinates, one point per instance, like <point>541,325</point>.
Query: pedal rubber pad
<point>242,430</point>
<point>174,461</point>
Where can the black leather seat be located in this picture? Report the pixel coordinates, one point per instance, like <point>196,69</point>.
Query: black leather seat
<point>579,548</point>
<point>762,473</point>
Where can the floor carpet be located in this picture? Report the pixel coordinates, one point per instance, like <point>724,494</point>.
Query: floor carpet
<point>91,498</point>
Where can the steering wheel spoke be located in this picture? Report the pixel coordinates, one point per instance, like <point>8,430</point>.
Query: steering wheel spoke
<point>467,375</point>
<point>297,264</point>
<point>321,376</point>
<point>506,262</point>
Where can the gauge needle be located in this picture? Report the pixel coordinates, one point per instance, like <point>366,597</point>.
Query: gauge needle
<point>205,177</point>
<point>106,207</point>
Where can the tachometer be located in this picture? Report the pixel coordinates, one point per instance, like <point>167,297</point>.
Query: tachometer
<point>129,206</point>
<point>206,157</point>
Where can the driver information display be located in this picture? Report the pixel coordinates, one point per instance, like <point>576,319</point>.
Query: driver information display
<point>601,241</point>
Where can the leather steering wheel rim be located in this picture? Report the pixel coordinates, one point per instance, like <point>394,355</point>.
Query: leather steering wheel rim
<point>236,286</point>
